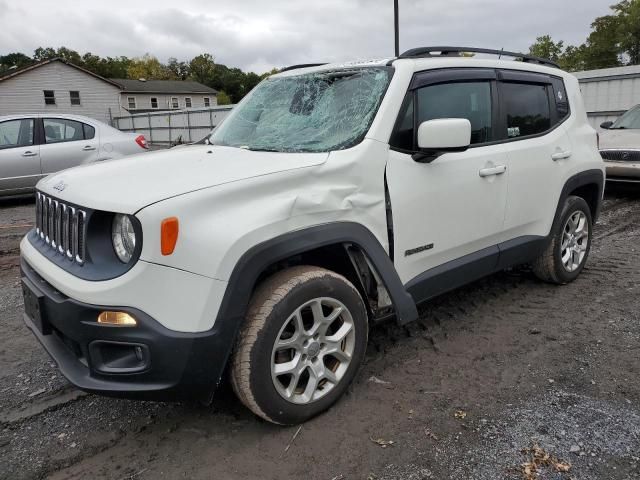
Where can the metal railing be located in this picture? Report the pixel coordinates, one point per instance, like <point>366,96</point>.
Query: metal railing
<point>173,127</point>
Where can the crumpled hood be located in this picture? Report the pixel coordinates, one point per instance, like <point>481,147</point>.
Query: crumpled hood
<point>126,185</point>
<point>620,139</point>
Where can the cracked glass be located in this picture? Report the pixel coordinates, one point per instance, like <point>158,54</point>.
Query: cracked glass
<point>315,112</point>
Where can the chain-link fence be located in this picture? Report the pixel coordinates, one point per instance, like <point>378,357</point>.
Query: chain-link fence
<point>174,126</point>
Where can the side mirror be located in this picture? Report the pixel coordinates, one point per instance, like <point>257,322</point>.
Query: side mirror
<point>442,135</point>
<point>606,125</point>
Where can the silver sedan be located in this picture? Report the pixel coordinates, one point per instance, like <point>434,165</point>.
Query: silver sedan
<point>33,146</point>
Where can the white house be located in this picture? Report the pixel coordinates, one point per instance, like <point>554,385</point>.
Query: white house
<point>142,96</point>
<point>57,86</point>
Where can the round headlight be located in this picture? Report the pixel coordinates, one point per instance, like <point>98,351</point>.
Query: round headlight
<point>123,237</point>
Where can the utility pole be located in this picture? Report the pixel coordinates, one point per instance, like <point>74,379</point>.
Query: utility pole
<point>396,27</point>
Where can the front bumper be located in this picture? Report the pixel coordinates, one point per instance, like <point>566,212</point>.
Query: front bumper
<point>622,172</point>
<point>147,361</point>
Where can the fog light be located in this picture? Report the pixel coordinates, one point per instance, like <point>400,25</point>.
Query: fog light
<point>117,318</point>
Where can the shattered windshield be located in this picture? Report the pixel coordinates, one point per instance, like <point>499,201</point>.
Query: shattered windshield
<point>315,112</point>
<point>631,119</point>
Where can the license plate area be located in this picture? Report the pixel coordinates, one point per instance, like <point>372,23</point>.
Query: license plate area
<point>34,306</point>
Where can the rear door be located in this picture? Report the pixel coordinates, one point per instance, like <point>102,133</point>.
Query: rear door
<point>67,143</point>
<point>538,149</point>
<point>19,156</point>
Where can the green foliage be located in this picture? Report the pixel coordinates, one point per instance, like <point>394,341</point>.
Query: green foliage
<point>614,40</point>
<point>223,98</point>
<point>149,68</point>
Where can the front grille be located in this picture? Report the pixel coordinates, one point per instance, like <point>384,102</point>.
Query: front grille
<point>621,155</point>
<point>61,227</point>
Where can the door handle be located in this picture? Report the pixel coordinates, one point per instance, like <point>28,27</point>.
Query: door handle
<point>29,153</point>
<point>88,148</point>
<point>497,170</point>
<point>560,155</point>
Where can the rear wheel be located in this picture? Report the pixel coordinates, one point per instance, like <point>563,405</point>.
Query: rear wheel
<point>568,250</point>
<point>301,346</point>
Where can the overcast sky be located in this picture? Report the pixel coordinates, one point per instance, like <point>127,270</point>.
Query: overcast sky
<point>260,34</point>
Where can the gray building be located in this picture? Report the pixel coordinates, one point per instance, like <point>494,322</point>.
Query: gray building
<point>609,92</point>
<point>57,86</point>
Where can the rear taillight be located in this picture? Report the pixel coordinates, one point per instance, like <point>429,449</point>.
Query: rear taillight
<point>140,140</point>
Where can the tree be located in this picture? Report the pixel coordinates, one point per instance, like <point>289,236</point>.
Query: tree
<point>628,26</point>
<point>545,47</point>
<point>601,50</point>
<point>14,60</point>
<point>202,69</point>
<point>223,98</point>
<point>149,68</point>
<point>178,69</point>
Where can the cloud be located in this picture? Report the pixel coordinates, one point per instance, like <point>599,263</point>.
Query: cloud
<point>258,35</point>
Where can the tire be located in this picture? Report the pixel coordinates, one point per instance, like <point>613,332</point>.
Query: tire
<point>561,265</point>
<point>276,382</point>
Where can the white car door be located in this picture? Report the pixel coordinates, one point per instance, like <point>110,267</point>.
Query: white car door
<point>538,148</point>
<point>67,143</point>
<point>448,213</point>
<point>19,156</point>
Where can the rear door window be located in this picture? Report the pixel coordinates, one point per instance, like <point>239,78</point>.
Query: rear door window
<point>16,133</point>
<point>526,106</point>
<point>57,130</point>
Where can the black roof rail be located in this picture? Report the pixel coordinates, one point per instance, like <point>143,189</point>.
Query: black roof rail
<point>421,52</point>
<point>302,65</point>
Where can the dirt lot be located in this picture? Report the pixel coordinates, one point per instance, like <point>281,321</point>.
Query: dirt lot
<point>490,370</point>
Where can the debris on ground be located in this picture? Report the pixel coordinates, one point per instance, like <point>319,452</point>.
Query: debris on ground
<point>460,414</point>
<point>382,442</point>
<point>430,434</point>
<point>538,460</point>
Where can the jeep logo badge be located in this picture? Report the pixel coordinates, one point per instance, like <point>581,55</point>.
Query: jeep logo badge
<point>60,186</point>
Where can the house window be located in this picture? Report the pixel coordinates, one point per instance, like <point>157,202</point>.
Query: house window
<point>49,97</point>
<point>187,102</point>
<point>131,101</point>
<point>154,102</point>
<point>207,102</point>
<point>174,102</point>
<point>75,97</point>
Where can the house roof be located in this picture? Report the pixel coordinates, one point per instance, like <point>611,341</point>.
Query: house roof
<point>126,85</point>
<point>7,74</point>
<point>163,86</point>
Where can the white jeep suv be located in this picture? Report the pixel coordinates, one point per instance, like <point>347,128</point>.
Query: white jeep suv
<point>332,197</point>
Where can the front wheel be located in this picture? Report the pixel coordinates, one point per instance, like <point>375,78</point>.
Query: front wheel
<point>303,341</point>
<point>568,250</point>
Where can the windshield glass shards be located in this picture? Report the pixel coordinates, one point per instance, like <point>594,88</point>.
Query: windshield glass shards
<point>315,112</point>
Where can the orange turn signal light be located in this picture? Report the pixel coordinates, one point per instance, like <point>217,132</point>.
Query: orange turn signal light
<point>169,235</point>
<point>122,319</point>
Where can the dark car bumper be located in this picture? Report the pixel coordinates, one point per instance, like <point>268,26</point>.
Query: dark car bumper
<point>147,361</point>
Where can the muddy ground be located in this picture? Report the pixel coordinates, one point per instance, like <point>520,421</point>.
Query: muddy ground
<point>497,367</point>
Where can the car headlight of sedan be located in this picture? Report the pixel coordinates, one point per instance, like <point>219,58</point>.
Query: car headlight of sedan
<point>123,237</point>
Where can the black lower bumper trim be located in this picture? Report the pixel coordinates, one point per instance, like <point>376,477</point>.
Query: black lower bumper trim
<point>172,365</point>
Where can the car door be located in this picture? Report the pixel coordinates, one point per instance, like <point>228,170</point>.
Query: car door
<point>539,152</point>
<point>19,156</point>
<point>67,143</point>
<point>449,212</point>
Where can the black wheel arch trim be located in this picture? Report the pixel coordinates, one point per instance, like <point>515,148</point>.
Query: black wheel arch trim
<point>587,177</point>
<point>253,263</point>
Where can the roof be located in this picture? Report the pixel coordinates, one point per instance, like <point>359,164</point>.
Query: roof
<point>162,86</point>
<point>7,74</point>
<point>614,73</point>
<point>127,86</point>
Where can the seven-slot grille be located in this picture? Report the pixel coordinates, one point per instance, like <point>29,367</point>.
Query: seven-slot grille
<point>621,155</point>
<point>61,227</point>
